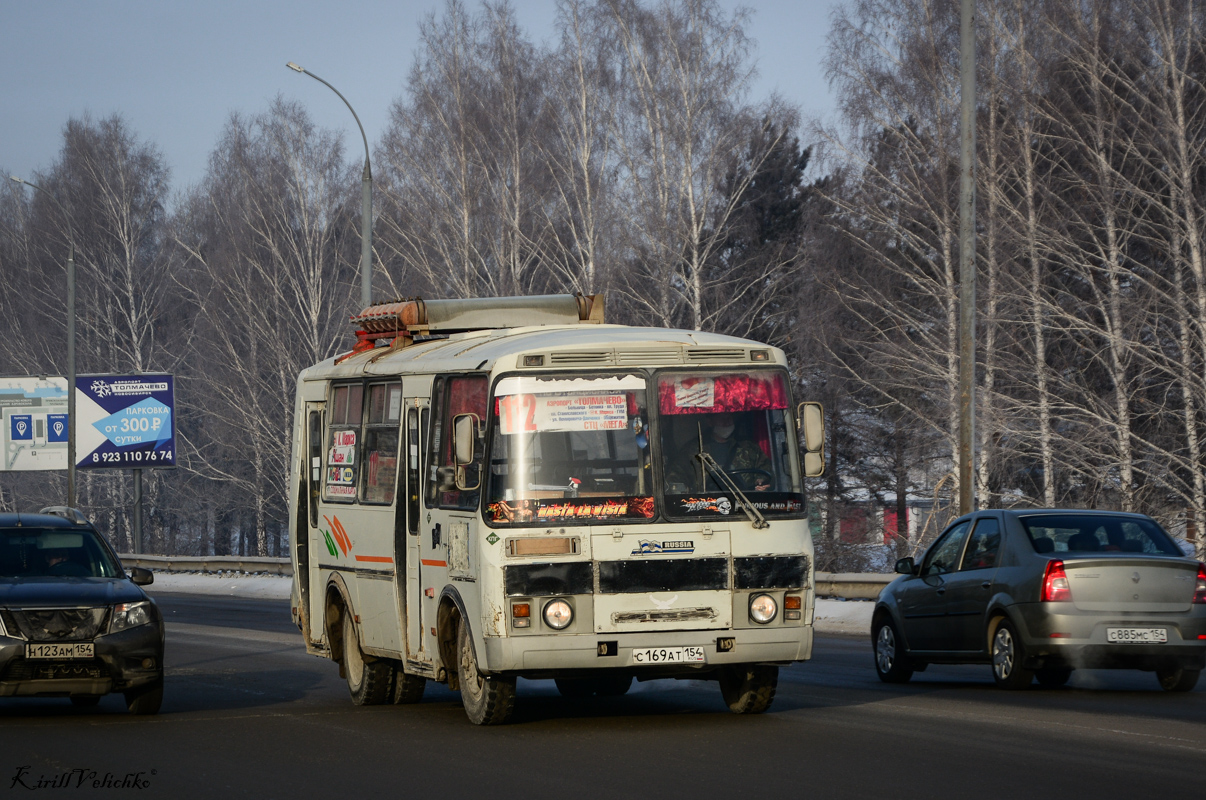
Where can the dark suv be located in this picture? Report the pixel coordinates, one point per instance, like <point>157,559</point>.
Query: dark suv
<point>72,622</point>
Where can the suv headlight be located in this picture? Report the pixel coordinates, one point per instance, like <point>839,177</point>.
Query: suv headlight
<point>130,615</point>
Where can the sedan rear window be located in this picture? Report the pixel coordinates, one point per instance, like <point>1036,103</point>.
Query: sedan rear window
<point>54,553</point>
<point>1094,533</point>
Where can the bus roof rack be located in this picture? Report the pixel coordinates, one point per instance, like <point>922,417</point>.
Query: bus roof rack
<point>403,319</point>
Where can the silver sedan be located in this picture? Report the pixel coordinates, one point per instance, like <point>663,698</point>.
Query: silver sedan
<point>1039,593</point>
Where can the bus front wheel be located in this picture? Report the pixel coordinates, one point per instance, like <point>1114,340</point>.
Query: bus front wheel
<point>488,700</point>
<point>748,688</point>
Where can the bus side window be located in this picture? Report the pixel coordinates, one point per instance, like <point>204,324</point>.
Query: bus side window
<point>413,470</point>
<point>314,463</point>
<point>379,472</point>
<point>343,443</point>
<point>457,396</point>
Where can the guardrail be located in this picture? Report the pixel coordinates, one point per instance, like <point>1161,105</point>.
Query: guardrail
<point>275,566</point>
<point>850,585</point>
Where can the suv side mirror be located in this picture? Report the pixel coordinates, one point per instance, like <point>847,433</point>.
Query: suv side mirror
<point>905,566</point>
<point>141,577</point>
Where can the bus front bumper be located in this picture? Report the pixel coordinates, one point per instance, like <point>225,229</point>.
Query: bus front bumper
<point>533,655</point>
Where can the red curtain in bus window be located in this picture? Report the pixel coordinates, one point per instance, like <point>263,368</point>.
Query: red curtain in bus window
<point>714,394</point>
<point>467,396</point>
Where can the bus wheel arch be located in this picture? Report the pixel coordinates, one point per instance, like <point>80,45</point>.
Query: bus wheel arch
<point>336,611</point>
<point>448,619</point>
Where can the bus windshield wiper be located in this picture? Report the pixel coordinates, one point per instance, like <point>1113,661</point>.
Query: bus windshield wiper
<point>723,478</point>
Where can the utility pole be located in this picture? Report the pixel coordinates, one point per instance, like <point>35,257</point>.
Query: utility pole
<point>967,257</point>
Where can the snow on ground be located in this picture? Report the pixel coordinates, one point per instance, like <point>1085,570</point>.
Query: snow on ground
<point>832,616</point>
<point>228,584</point>
<point>843,616</point>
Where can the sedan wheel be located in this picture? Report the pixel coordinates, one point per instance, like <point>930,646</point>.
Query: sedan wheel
<point>890,662</point>
<point>1008,657</point>
<point>1177,679</point>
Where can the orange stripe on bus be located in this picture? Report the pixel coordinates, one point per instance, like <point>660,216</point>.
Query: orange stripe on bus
<point>428,563</point>
<point>381,559</point>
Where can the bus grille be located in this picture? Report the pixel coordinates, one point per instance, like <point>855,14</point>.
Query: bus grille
<point>664,575</point>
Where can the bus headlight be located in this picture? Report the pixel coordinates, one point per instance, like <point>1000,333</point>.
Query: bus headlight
<point>763,608</point>
<point>558,614</point>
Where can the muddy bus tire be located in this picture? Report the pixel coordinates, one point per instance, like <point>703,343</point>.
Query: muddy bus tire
<point>749,688</point>
<point>487,700</point>
<point>408,689</point>
<point>368,678</point>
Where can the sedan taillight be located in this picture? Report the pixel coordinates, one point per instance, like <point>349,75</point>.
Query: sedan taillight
<point>1199,591</point>
<point>1055,583</point>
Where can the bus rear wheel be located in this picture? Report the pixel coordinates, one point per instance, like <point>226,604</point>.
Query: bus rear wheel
<point>368,678</point>
<point>488,700</point>
<point>749,688</point>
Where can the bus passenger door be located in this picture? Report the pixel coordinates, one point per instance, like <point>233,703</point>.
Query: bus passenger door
<point>307,566</point>
<point>408,540</point>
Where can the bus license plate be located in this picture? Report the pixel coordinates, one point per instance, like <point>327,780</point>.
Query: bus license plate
<point>1137,635</point>
<point>668,655</point>
<point>60,650</point>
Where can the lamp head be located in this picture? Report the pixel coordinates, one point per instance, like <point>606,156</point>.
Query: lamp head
<point>294,67</point>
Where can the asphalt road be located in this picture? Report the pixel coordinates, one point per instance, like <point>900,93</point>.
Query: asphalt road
<point>248,714</point>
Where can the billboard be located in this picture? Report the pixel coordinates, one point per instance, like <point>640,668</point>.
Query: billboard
<point>33,423</point>
<point>125,421</point>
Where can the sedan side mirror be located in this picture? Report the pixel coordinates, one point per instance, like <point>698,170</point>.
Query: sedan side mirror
<point>905,566</point>
<point>141,577</point>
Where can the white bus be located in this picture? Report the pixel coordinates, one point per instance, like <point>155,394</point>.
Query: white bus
<point>511,488</point>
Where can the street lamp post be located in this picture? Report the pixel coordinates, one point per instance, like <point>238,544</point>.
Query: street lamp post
<point>366,201</point>
<point>70,342</point>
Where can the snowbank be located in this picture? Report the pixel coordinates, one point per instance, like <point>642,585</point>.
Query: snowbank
<point>843,616</point>
<point>832,616</point>
<point>228,584</point>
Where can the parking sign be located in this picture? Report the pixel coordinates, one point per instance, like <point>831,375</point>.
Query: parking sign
<point>125,421</point>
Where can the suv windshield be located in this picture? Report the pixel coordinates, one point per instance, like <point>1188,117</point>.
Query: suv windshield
<point>54,552</point>
<point>1095,533</point>
<point>738,423</point>
<point>569,449</point>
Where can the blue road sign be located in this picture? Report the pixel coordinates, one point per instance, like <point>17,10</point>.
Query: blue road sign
<point>125,421</point>
<point>56,427</point>
<point>22,427</point>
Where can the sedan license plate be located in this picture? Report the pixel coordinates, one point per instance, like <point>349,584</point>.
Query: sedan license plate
<point>1137,635</point>
<point>668,655</point>
<point>60,650</point>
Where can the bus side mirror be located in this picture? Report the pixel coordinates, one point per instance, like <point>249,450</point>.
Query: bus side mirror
<point>464,438</point>
<point>810,417</point>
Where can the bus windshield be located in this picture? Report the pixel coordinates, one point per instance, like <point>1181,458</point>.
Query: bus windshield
<point>735,423</point>
<point>570,450</point>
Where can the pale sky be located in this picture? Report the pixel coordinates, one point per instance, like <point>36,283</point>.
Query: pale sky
<point>176,70</point>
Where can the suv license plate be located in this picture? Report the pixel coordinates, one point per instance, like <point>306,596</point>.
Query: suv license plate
<point>60,650</point>
<point>1137,635</point>
<point>668,655</point>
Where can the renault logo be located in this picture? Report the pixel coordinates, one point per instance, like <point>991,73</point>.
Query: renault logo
<point>1134,577</point>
